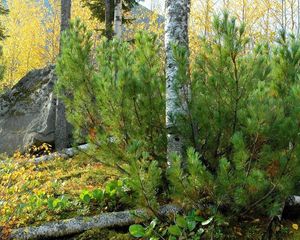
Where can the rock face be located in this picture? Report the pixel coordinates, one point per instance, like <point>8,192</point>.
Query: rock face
<point>27,112</point>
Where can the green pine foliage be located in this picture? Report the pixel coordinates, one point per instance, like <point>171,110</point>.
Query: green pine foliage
<point>115,101</point>
<point>242,119</point>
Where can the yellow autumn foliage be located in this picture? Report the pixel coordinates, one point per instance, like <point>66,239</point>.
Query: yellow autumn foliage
<point>34,29</point>
<point>34,32</point>
<point>23,49</point>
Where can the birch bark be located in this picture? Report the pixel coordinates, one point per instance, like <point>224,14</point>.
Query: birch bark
<point>176,32</point>
<point>118,19</point>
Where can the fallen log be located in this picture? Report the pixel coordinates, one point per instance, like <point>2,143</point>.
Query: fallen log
<point>66,153</point>
<point>80,224</point>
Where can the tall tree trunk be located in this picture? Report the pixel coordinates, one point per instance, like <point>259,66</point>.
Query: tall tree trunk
<point>176,32</point>
<point>282,14</point>
<point>108,23</point>
<point>65,17</point>
<point>292,16</point>
<point>298,18</point>
<point>61,125</point>
<point>118,19</point>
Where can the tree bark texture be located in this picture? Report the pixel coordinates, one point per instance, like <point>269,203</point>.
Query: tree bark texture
<point>80,224</point>
<point>61,125</point>
<point>118,19</point>
<point>176,32</point>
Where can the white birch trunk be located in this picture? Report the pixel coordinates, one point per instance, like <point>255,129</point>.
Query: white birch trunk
<point>118,19</point>
<point>298,18</point>
<point>176,32</point>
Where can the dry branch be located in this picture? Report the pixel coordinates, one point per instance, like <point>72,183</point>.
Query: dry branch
<point>81,224</point>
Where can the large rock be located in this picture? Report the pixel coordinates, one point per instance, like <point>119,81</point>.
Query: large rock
<point>27,112</point>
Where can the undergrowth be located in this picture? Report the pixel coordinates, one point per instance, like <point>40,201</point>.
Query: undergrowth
<point>53,190</point>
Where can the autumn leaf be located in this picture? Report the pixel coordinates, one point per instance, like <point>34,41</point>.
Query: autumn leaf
<point>295,226</point>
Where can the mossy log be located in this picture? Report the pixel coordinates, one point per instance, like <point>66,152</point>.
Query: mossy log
<point>80,224</point>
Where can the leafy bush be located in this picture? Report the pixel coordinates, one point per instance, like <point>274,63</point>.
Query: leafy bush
<point>191,226</point>
<point>243,124</point>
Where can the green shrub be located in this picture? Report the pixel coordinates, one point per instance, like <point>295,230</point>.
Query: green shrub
<point>243,124</point>
<point>115,101</point>
<point>241,119</point>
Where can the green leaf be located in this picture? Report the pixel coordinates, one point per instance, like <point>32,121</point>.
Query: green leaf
<point>98,195</point>
<point>172,238</point>
<point>191,225</point>
<point>208,221</point>
<point>85,196</point>
<point>199,219</point>
<point>174,230</point>
<point>56,203</point>
<point>153,223</point>
<point>181,222</point>
<point>50,203</point>
<point>137,230</point>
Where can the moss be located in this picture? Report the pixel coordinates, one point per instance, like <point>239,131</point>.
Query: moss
<point>96,234</point>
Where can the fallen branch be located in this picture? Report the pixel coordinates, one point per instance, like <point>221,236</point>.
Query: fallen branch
<point>66,153</point>
<point>81,224</point>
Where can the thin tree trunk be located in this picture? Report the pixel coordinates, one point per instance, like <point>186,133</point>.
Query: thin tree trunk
<point>176,32</point>
<point>292,16</point>
<point>298,18</point>
<point>108,24</point>
<point>65,18</point>
<point>61,125</point>
<point>118,19</point>
<point>282,14</point>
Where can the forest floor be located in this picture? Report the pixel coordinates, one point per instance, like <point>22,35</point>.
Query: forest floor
<point>32,194</point>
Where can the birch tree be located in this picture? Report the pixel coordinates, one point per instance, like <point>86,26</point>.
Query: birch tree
<point>118,19</point>
<point>298,17</point>
<point>61,132</point>
<point>176,32</point>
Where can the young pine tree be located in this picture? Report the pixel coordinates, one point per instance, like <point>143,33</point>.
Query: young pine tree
<point>116,103</point>
<point>243,122</point>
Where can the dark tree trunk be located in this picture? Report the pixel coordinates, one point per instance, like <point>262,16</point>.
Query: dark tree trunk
<point>108,20</point>
<point>61,125</point>
<point>65,17</point>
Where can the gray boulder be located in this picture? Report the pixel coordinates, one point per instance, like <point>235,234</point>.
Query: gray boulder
<point>27,112</point>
